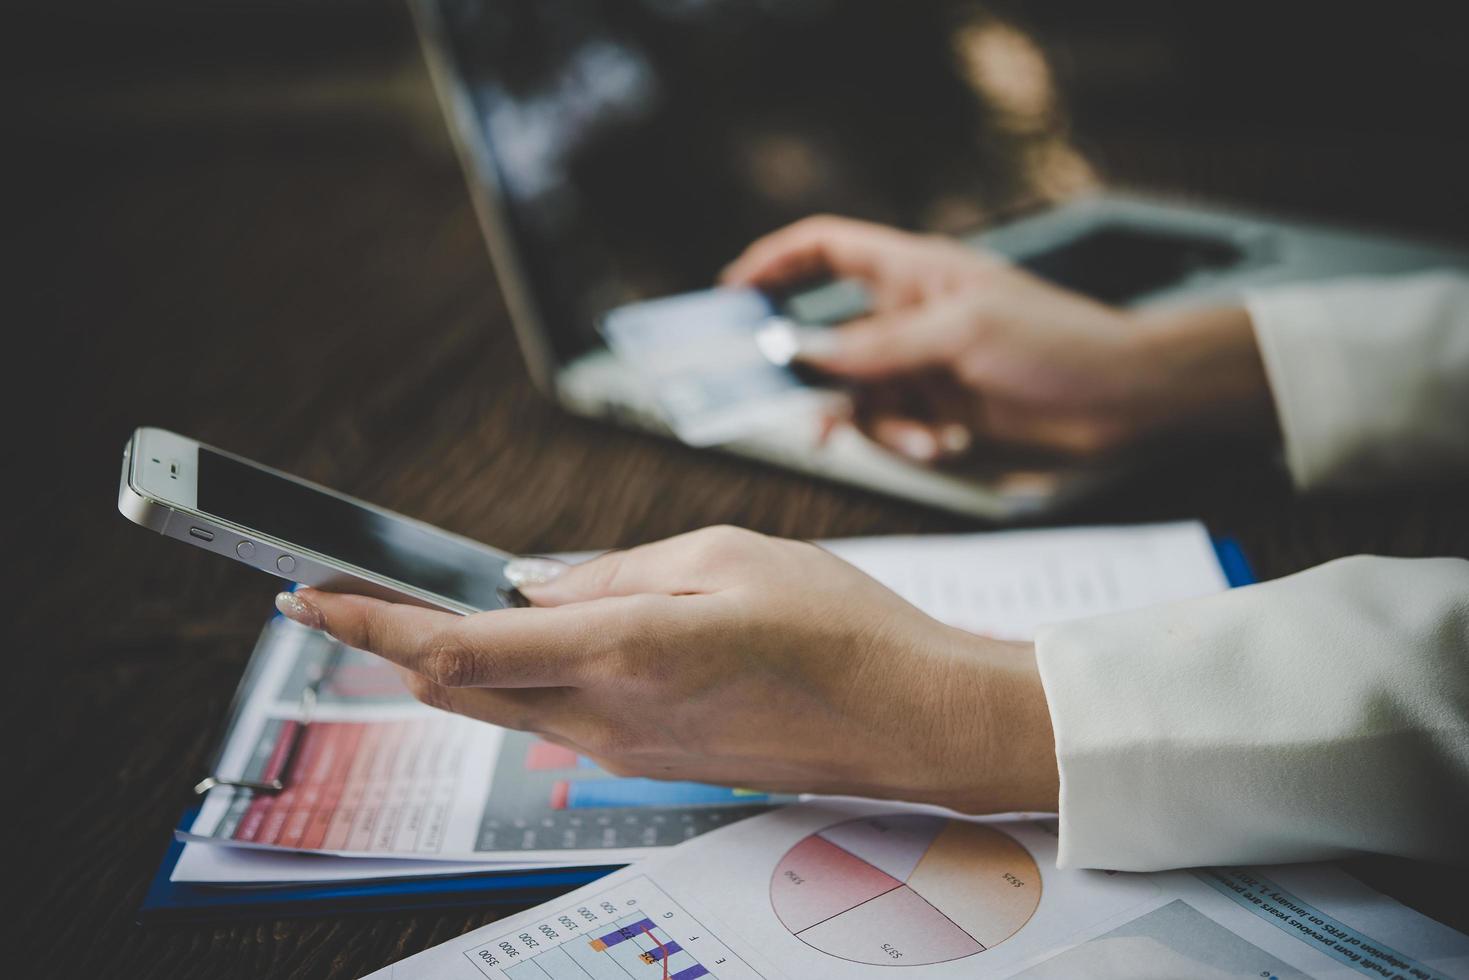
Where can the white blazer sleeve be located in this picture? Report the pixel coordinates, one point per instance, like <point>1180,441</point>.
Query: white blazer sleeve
<point>1370,376</point>
<point>1312,717</point>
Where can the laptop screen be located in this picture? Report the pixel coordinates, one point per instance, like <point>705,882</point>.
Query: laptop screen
<point>639,145</point>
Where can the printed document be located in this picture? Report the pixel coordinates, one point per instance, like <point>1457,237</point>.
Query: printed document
<point>844,890</point>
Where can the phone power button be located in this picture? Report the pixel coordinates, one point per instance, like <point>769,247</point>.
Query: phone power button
<point>285,564</point>
<point>245,549</point>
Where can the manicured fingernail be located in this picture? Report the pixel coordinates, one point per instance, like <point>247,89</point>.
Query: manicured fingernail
<point>955,439</point>
<point>816,343</point>
<point>776,339</point>
<point>521,572</point>
<point>298,610</point>
<point>917,444</point>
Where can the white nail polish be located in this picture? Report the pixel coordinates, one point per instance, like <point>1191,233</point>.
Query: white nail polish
<point>917,444</point>
<point>298,610</point>
<point>776,339</point>
<point>521,572</point>
<point>955,439</point>
<point>816,343</point>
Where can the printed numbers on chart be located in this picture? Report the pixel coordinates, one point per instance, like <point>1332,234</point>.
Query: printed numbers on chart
<point>488,957</point>
<point>795,879</point>
<point>892,951</point>
<point>1014,881</point>
<point>609,908</point>
<point>566,923</point>
<point>587,914</point>
<point>510,951</point>
<point>528,940</point>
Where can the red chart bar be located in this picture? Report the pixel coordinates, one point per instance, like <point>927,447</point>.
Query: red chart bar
<point>560,792</point>
<point>261,805</point>
<point>544,755</point>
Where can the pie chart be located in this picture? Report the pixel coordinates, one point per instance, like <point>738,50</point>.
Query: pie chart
<point>905,889</point>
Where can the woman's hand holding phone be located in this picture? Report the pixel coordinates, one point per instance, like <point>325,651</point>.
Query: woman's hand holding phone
<point>724,656</point>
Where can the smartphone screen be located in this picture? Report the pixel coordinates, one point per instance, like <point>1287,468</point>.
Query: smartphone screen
<point>258,499</point>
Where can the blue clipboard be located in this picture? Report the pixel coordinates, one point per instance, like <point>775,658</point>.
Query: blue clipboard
<point>173,901</point>
<point>1237,570</point>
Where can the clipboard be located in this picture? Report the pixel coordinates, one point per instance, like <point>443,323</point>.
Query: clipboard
<point>1237,569</point>
<point>173,901</point>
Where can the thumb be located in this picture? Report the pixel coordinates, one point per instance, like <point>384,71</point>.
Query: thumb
<point>889,344</point>
<point>550,582</point>
<point>695,562</point>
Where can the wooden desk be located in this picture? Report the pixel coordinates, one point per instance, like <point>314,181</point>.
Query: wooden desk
<point>306,285</point>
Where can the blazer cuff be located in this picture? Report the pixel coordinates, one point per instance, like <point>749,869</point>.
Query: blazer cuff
<point>1370,376</point>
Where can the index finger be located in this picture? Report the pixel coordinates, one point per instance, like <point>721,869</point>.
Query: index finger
<point>887,345</point>
<point>501,648</point>
<point>810,247</point>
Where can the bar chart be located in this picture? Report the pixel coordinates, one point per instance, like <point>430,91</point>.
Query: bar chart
<point>633,932</point>
<point>545,796</point>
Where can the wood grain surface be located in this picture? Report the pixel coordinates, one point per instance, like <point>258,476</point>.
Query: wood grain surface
<point>267,245</point>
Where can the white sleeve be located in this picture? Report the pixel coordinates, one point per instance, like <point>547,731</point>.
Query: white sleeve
<point>1312,717</point>
<point>1370,376</point>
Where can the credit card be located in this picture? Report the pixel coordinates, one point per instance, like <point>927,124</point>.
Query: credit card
<point>715,361</point>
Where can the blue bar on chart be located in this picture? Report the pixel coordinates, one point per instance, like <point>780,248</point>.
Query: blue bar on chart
<point>622,934</point>
<point>654,955</point>
<point>651,951</point>
<point>583,794</point>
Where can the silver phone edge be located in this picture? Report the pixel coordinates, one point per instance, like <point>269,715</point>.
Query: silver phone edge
<point>312,569</point>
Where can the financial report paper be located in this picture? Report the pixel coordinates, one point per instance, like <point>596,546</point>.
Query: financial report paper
<point>374,774</point>
<point>846,889</point>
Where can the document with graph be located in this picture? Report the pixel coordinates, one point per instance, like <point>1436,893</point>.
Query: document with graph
<point>844,889</point>
<point>342,760</point>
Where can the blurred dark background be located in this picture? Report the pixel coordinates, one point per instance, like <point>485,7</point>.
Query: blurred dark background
<point>244,220</point>
<point>146,139</point>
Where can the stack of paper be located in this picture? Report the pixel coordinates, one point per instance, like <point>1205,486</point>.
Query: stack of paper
<point>834,890</point>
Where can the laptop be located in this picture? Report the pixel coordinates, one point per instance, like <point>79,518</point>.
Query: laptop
<point>621,151</point>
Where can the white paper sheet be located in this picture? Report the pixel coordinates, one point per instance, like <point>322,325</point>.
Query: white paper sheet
<point>1008,584</point>
<point>844,890</point>
<point>220,864</point>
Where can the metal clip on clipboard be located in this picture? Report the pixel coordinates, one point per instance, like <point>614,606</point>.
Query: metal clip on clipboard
<point>309,695</point>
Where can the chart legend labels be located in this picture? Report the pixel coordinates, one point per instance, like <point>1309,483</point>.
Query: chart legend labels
<point>905,890</point>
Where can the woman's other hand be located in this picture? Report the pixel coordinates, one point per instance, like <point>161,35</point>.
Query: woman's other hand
<point>962,348</point>
<point>724,656</point>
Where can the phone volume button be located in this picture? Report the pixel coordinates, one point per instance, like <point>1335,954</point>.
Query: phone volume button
<point>245,549</point>
<point>285,564</point>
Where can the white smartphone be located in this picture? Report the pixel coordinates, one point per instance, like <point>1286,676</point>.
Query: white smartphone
<point>300,531</point>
